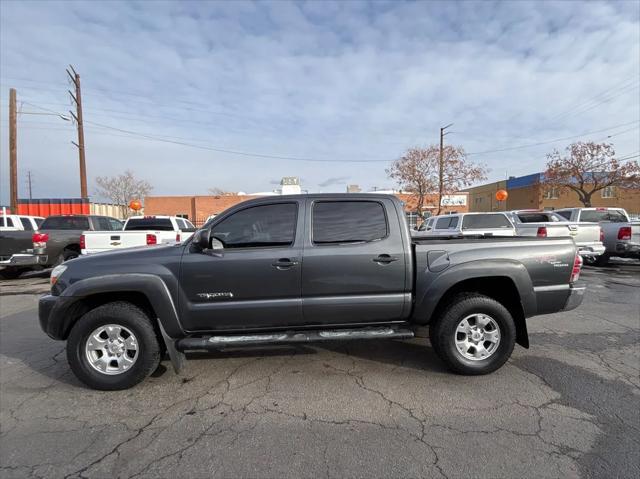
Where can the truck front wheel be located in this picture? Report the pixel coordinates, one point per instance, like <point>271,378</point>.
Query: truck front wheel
<point>474,334</point>
<point>113,346</point>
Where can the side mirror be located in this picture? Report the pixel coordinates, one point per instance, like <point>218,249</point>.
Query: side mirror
<point>201,238</point>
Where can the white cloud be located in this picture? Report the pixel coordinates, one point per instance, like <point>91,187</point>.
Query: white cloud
<point>339,80</point>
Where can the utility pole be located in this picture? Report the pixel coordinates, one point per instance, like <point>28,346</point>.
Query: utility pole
<point>441,167</point>
<point>29,184</point>
<point>77,98</point>
<point>13,152</point>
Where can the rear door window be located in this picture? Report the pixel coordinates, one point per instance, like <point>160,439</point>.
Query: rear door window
<point>443,223</point>
<point>65,223</point>
<point>481,222</point>
<point>565,214</point>
<point>338,222</point>
<point>7,222</point>
<point>150,223</point>
<point>116,225</point>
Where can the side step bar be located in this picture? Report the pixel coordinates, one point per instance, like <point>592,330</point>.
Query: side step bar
<point>217,342</point>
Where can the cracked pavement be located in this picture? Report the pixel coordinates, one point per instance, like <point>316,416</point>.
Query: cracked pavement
<point>567,407</point>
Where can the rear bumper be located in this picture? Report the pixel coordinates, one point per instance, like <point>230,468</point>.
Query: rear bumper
<point>627,248</point>
<point>576,295</point>
<point>24,259</point>
<point>591,250</point>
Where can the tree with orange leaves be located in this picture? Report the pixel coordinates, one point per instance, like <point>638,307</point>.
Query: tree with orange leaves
<point>418,169</point>
<point>589,167</point>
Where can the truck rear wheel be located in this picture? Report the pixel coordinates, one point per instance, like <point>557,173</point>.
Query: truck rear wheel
<point>474,334</point>
<point>113,346</point>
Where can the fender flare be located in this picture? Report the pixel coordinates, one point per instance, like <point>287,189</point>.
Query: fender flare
<point>513,270</point>
<point>151,286</point>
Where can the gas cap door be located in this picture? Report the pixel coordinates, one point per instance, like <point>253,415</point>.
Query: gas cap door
<point>437,260</point>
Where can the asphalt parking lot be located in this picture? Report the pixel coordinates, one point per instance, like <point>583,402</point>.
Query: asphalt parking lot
<point>567,407</point>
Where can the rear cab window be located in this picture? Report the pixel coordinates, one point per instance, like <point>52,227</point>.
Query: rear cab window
<point>344,222</point>
<point>488,221</point>
<point>149,223</point>
<point>65,223</point>
<point>598,216</point>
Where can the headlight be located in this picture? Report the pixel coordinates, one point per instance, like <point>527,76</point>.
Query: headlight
<point>56,273</point>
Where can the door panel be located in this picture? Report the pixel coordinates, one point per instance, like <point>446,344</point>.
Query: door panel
<point>345,282</point>
<point>245,286</point>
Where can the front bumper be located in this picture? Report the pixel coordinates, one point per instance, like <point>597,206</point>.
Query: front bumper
<point>576,295</point>
<point>24,259</point>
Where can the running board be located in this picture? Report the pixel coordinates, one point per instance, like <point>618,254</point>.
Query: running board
<point>217,342</point>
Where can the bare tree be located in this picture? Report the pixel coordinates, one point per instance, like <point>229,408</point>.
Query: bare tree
<point>121,189</point>
<point>215,191</point>
<point>458,172</point>
<point>589,167</point>
<point>418,171</point>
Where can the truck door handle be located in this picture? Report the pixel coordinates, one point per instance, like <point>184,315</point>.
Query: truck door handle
<point>385,259</point>
<point>285,263</point>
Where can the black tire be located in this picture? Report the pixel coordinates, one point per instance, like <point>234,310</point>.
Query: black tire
<point>442,332</point>
<point>123,314</point>
<point>68,254</point>
<point>602,260</point>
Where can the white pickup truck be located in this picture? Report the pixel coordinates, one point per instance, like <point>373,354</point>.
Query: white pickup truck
<point>138,231</point>
<point>588,236</point>
<point>19,222</point>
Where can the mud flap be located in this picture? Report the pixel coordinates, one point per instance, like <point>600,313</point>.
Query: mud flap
<point>177,357</point>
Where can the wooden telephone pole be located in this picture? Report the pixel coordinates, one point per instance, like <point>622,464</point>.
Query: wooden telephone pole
<point>13,152</point>
<point>77,98</point>
<point>441,167</point>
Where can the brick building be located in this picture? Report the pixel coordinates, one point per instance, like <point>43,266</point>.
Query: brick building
<point>198,208</point>
<point>527,192</point>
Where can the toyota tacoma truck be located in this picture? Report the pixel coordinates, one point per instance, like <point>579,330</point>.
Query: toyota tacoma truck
<point>295,269</point>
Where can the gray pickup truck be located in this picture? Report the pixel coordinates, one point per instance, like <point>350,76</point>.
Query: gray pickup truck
<point>620,235</point>
<point>295,269</point>
<point>58,239</point>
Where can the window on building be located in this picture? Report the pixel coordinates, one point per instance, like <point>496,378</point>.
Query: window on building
<point>412,219</point>
<point>609,192</point>
<point>183,215</point>
<point>348,222</point>
<point>258,226</point>
<point>551,193</point>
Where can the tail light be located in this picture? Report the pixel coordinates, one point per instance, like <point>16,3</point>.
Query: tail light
<point>151,239</point>
<point>177,237</point>
<point>39,240</point>
<point>83,242</point>
<point>577,266</point>
<point>624,233</point>
<point>601,235</point>
<point>542,232</point>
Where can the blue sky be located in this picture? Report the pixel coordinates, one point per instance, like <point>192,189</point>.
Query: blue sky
<point>349,85</point>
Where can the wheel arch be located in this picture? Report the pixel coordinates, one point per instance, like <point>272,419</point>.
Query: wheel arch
<point>509,284</point>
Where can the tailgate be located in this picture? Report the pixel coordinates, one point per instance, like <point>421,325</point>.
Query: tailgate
<point>95,241</point>
<point>585,233</point>
<point>12,242</point>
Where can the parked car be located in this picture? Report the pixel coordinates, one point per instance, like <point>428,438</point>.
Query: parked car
<point>20,222</point>
<point>466,224</point>
<point>138,231</point>
<point>588,237</point>
<point>621,236</point>
<point>302,268</point>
